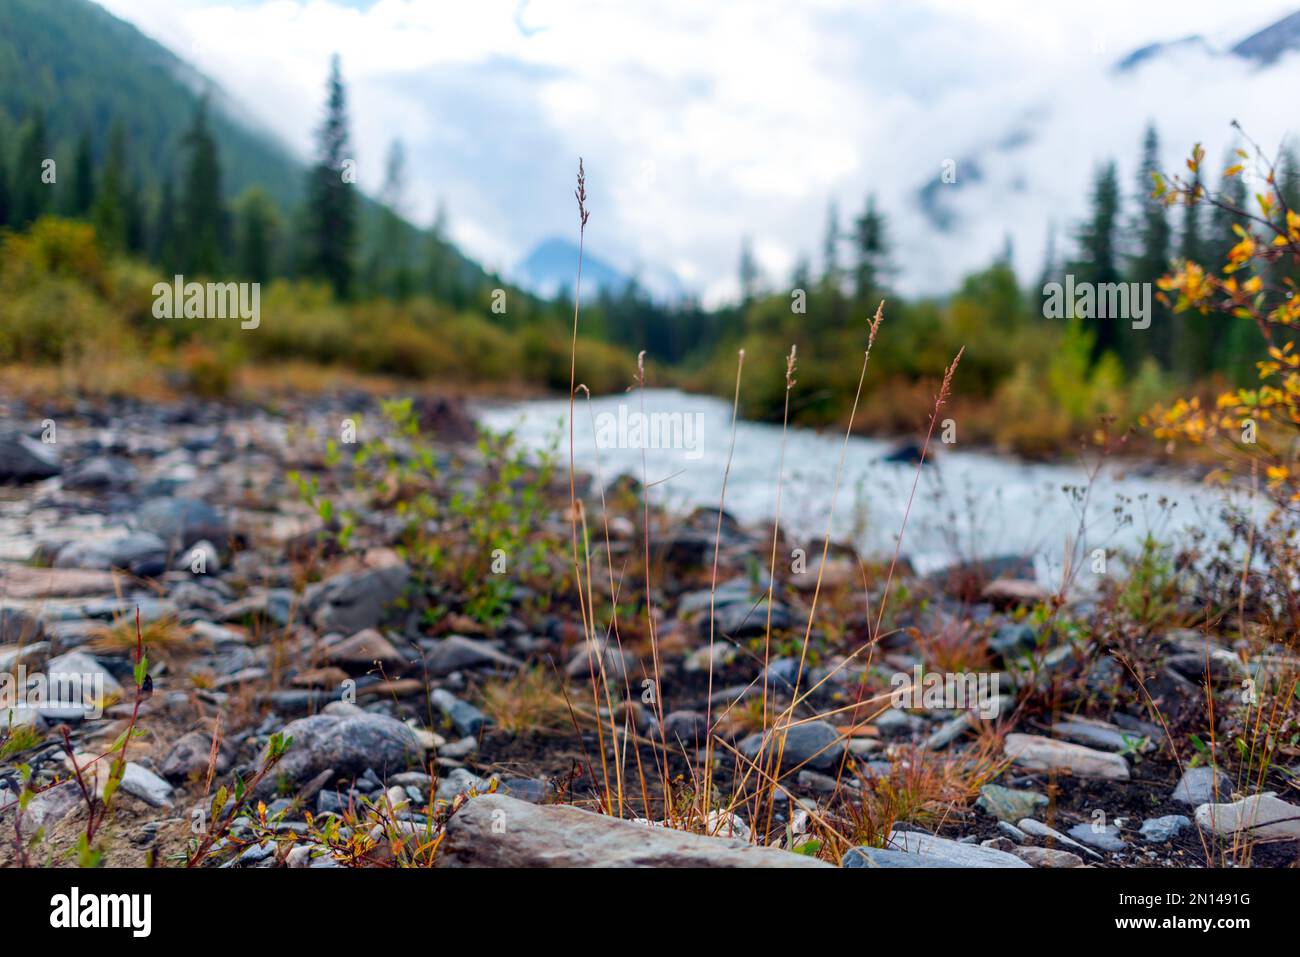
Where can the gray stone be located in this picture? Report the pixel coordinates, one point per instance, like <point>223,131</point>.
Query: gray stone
<point>201,558</point>
<point>499,831</point>
<point>18,627</point>
<point>465,718</point>
<point>1099,734</point>
<point>460,781</point>
<point>87,670</point>
<point>1262,817</point>
<point>1203,785</point>
<point>147,786</point>
<point>362,650</point>
<point>1105,838</point>
<point>182,522</point>
<point>1046,754</point>
<point>1047,857</point>
<point>458,653</point>
<point>532,790</point>
<point>881,857</point>
<point>814,744</point>
<point>23,459</point>
<point>1158,830</point>
<point>1041,831</point>
<point>142,553</point>
<point>190,755</point>
<point>952,853</point>
<point>587,661</point>
<point>1014,639</point>
<point>51,805</point>
<point>101,473</point>
<point>685,727</point>
<point>733,592</point>
<point>1008,805</point>
<point>745,619</point>
<point>349,745</point>
<point>1013,832</point>
<point>352,601</point>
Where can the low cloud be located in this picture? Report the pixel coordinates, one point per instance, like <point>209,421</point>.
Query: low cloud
<point>701,124</point>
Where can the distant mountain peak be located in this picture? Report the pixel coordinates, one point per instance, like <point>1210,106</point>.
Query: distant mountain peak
<point>551,268</point>
<point>1263,47</point>
<point>1271,42</point>
<point>1153,50</point>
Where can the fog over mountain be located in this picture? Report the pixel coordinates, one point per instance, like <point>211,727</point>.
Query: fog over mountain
<point>751,118</point>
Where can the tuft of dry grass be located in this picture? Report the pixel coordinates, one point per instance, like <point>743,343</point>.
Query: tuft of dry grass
<point>162,635</point>
<point>529,700</point>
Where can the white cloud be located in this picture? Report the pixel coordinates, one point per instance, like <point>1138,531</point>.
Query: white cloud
<point>701,123</point>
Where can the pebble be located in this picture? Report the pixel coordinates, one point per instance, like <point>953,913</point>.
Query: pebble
<point>464,717</point>
<point>1040,830</point>
<point>1105,838</point>
<point>1202,785</point>
<point>1158,830</point>
<point>1009,805</point>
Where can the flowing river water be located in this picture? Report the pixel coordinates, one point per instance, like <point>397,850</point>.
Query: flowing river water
<point>967,504</point>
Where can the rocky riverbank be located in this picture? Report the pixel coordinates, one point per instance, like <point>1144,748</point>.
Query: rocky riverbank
<point>384,659</point>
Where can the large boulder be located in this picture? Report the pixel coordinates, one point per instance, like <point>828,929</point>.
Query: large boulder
<point>348,744</point>
<point>355,600</point>
<point>498,831</point>
<point>23,459</point>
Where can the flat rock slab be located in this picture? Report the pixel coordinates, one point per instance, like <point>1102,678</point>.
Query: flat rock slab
<point>1261,817</point>
<point>498,831</point>
<point>881,857</point>
<point>1099,734</point>
<point>951,853</point>
<point>1047,857</point>
<point>1046,754</point>
<point>23,581</point>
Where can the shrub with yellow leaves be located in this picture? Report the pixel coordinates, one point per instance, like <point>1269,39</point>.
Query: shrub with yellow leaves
<point>1257,426</point>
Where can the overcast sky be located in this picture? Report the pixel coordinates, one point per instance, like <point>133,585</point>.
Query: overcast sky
<point>701,123</point>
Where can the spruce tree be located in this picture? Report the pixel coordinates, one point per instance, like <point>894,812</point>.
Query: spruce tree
<point>871,251</point>
<point>164,238</point>
<point>202,214</point>
<point>331,213</point>
<point>389,270</point>
<point>82,196</point>
<point>1098,259</point>
<point>257,228</point>
<point>831,276</point>
<point>1224,343</point>
<point>748,272</point>
<point>109,211</point>
<point>31,196</point>
<point>6,203</point>
<point>1151,258</point>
